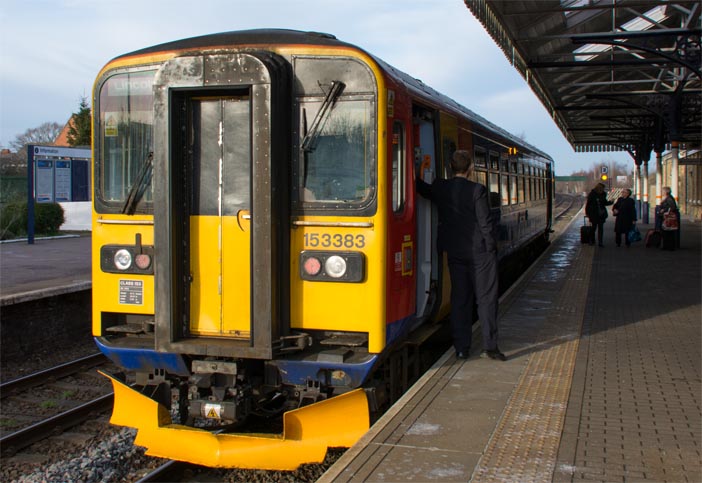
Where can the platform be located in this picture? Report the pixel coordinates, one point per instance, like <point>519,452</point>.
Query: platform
<point>46,268</point>
<point>602,381</point>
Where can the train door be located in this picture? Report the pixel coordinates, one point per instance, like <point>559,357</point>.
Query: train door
<point>220,276</point>
<point>222,208</point>
<point>425,167</point>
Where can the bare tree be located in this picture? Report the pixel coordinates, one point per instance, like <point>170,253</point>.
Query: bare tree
<point>44,134</point>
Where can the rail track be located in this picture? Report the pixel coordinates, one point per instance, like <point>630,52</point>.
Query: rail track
<point>51,401</point>
<point>566,205</point>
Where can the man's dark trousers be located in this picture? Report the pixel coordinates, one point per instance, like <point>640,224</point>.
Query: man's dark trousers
<point>478,276</point>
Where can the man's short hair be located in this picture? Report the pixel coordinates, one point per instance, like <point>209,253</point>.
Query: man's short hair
<point>461,161</point>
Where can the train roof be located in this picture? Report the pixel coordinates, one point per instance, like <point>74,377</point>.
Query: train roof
<point>424,90</point>
<point>247,37</point>
<point>298,37</point>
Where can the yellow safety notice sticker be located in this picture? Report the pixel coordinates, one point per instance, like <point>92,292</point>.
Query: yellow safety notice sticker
<point>213,411</point>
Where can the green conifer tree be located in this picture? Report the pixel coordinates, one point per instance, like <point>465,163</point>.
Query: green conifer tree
<point>80,128</point>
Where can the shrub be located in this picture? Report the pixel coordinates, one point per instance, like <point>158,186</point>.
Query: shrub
<point>48,218</point>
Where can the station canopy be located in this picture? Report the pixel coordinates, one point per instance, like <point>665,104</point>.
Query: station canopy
<point>615,75</point>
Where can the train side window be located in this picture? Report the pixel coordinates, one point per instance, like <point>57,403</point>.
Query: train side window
<point>541,188</point>
<point>480,158</point>
<point>494,161</point>
<point>494,190</point>
<point>481,177</point>
<point>398,167</point>
<point>513,190</point>
<point>505,189</point>
<point>520,191</point>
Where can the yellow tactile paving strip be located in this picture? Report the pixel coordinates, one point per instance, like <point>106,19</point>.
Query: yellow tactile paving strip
<point>525,443</point>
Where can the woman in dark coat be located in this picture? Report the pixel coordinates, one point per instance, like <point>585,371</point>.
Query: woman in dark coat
<point>625,211</point>
<point>596,211</point>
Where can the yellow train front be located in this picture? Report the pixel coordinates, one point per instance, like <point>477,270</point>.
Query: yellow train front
<point>258,244</point>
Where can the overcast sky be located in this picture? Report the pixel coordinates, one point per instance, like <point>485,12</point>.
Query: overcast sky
<point>52,50</point>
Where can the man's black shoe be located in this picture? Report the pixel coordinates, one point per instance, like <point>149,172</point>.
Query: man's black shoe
<point>462,354</point>
<point>493,354</point>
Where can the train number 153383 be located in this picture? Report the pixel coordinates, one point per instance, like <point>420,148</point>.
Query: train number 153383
<point>326,240</point>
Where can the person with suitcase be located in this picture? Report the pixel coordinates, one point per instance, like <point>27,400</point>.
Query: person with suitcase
<point>586,235</point>
<point>596,211</point>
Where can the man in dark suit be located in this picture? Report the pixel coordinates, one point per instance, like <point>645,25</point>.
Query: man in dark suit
<point>467,235</point>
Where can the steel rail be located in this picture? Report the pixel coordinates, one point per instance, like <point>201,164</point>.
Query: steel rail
<point>32,380</point>
<point>18,440</point>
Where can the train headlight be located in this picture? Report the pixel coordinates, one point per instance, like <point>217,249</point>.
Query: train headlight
<point>335,266</point>
<point>123,259</point>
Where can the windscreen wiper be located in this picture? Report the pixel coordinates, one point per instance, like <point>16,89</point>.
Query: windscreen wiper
<point>309,142</point>
<point>139,187</point>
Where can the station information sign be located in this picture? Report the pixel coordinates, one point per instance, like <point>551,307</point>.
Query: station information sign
<point>50,177</point>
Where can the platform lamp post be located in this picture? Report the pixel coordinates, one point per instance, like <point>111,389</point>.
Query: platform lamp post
<point>30,194</point>
<point>604,176</point>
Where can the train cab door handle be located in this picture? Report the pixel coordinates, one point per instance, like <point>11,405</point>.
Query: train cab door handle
<point>243,218</point>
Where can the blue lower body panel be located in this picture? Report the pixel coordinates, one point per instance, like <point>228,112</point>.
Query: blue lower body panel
<point>144,359</point>
<point>334,374</point>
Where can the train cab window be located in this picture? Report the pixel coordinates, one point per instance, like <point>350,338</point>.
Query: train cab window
<point>125,140</point>
<point>336,168</point>
<point>398,167</point>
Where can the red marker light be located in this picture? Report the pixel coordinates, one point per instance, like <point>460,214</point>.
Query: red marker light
<point>143,261</point>
<point>312,266</point>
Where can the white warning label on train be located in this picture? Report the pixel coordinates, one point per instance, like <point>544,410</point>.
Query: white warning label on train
<point>131,292</point>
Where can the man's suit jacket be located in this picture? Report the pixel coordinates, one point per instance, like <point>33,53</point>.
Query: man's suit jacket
<point>466,229</point>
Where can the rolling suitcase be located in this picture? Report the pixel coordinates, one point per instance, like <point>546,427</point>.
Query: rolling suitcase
<point>652,239</point>
<point>586,232</point>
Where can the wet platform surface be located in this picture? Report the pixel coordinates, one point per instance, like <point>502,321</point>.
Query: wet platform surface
<point>602,381</point>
